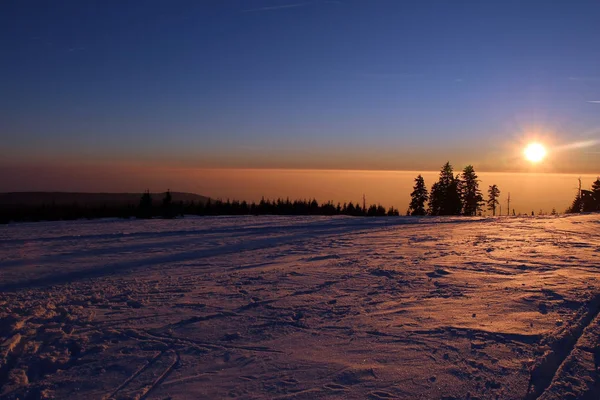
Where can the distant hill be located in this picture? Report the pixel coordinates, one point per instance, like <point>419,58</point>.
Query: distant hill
<point>89,199</point>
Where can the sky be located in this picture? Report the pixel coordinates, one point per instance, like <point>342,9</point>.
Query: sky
<point>316,84</point>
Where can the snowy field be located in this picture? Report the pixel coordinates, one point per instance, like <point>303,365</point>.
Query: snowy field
<point>302,308</point>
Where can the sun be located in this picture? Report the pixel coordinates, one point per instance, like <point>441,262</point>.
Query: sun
<point>535,152</point>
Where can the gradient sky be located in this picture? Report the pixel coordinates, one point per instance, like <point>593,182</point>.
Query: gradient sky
<point>349,84</point>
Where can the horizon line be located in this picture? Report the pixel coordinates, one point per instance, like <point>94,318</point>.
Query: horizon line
<point>377,170</point>
<point>258,168</point>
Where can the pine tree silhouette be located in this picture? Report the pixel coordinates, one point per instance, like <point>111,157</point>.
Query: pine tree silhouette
<point>596,193</point>
<point>453,205</point>
<point>392,212</point>
<point>419,197</point>
<point>167,206</point>
<point>577,205</point>
<point>436,198</point>
<point>445,198</point>
<point>471,195</point>
<point>350,210</point>
<point>493,195</point>
<point>145,207</point>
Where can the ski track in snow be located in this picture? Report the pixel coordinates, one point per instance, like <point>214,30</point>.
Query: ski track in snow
<point>301,307</point>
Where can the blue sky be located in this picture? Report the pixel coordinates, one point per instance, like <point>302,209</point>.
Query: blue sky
<point>303,84</point>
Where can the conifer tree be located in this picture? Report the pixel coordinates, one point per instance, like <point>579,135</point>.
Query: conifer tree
<point>419,197</point>
<point>576,206</point>
<point>435,199</point>
<point>454,205</point>
<point>350,210</point>
<point>146,200</point>
<point>445,196</point>
<point>471,195</point>
<point>392,212</point>
<point>167,206</point>
<point>596,193</point>
<point>493,195</point>
<point>145,208</point>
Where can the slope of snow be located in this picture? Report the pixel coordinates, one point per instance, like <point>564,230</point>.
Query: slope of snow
<point>301,307</point>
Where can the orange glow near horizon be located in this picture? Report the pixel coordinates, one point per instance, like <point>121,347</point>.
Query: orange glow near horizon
<point>529,191</point>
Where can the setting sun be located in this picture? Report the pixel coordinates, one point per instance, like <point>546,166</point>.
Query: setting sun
<point>535,152</point>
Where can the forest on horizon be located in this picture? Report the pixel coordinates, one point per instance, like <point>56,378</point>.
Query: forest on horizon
<point>450,195</point>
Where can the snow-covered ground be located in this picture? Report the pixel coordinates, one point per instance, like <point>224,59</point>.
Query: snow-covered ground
<point>301,307</point>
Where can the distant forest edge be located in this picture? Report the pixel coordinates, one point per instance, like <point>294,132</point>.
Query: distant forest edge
<point>55,206</point>
<point>451,195</point>
<point>86,199</point>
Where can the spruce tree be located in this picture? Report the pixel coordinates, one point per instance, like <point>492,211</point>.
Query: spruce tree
<point>168,198</point>
<point>350,210</point>
<point>471,195</point>
<point>576,206</point>
<point>454,205</point>
<point>435,199</point>
<point>596,193</point>
<point>167,206</point>
<point>419,197</point>
<point>445,196</point>
<point>145,208</point>
<point>493,195</point>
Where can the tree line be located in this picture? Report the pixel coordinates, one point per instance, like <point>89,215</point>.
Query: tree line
<point>460,195</point>
<point>146,208</point>
<point>452,194</point>
<point>167,208</point>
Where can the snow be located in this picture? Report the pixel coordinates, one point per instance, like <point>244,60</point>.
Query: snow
<point>301,307</point>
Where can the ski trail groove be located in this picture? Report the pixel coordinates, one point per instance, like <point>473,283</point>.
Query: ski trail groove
<point>132,377</point>
<point>561,347</point>
<point>162,377</point>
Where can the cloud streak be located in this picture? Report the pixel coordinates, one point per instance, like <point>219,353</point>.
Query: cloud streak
<point>281,7</point>
<point>578,145</point>
<point>594,101</point>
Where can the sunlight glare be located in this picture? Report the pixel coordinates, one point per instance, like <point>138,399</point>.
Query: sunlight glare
<point>535,152</point>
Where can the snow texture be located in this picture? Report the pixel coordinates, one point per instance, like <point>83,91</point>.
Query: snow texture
<point>302,308</point>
